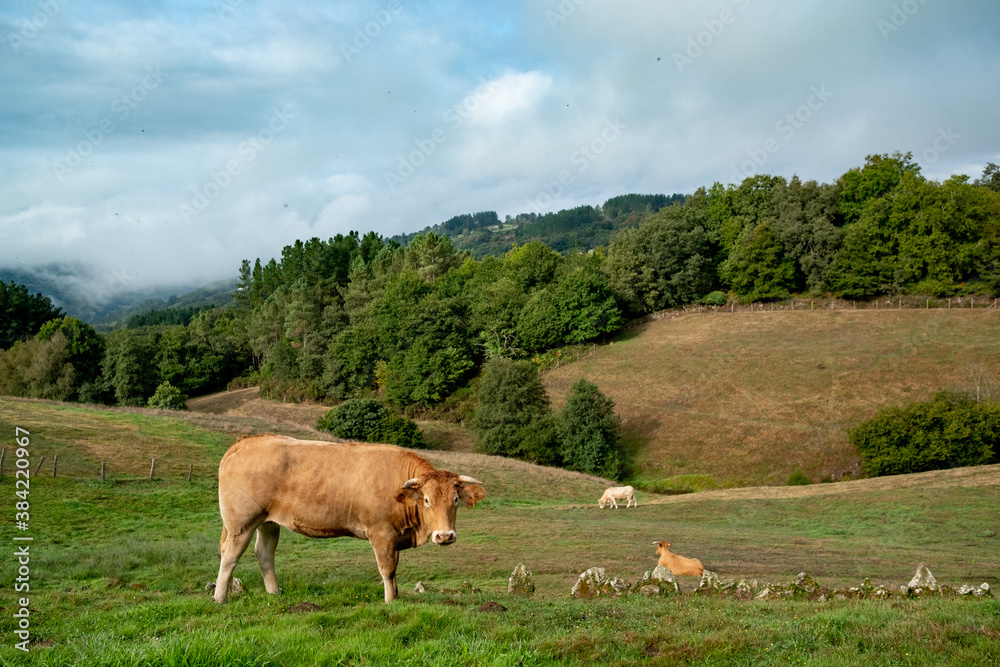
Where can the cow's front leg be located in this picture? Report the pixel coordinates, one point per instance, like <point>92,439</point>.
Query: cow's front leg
<point>387,558</point>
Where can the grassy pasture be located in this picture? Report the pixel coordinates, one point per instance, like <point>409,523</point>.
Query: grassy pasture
<point>118,568</point>
<point>750,398</point>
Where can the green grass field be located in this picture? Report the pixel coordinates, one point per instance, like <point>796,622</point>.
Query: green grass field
<point>118,568</point>
<point>751,398</point>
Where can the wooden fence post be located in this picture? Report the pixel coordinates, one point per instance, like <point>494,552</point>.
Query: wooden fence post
<point>55,462</point>
<point>152,467</point>
<point>190,470</point>
<point>3,453</point>
<point>102,470</point>
<point>39,466</point>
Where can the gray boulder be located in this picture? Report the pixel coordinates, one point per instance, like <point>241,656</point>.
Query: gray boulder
<point>520,582</point>
<point>618,587</point>
<point>923,582</point>
<point>589,583</point>
<point>982,591</point>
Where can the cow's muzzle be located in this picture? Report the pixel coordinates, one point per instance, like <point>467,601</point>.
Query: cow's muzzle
<point>443,536</point>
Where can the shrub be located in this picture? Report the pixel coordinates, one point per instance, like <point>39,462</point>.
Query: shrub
<point>168,397</point>
<point>398,430</point>
<point>798,478</point>
<point>367,420</point>
<point>715,298</point>
<point>541,442</point>
<point>592,432</point>
<point>950,431</point>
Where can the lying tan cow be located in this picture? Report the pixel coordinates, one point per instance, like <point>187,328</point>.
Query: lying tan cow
<point>616,493</point>
<point>678,564</point>
<point>386,495</point>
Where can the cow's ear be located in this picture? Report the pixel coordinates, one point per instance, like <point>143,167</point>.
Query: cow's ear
<point>471,494</point>
<point>408,495</point>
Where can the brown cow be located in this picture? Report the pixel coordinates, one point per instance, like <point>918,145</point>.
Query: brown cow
<point>386,495</point>
<point>678,564</point>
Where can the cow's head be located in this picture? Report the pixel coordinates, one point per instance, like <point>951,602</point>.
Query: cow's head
<point>435,497</point>
<point>661,547</point>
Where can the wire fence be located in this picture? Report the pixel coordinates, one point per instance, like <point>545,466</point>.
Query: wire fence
<point>74,467</point>
<point>893,303</point>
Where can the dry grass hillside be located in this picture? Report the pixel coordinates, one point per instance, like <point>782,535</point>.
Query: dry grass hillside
<point>750,398</point>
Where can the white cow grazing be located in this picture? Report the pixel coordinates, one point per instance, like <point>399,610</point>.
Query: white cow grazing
<point>616,493</point>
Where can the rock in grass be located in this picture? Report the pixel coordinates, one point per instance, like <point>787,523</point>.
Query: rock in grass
<point>520,582</point>
<point>419,588</point>
<point>923,582</point>
<point>617,587</point>
<point>924,579</point>
<point>658,582</point>
<point>982,591</point>
<point>235,589</point>
<point>589,584</point>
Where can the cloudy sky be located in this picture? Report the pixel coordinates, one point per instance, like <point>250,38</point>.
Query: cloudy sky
<point>162,142</point>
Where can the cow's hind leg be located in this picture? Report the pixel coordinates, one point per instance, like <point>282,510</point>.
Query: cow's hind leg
<point>387,558</point>
<point>267,542</point>
<point>233,546</point>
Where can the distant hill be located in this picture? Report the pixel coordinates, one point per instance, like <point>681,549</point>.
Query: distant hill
<point>172,309</point>
<point>750,398</point>
<point>584,227</point>
<point>106,300</point>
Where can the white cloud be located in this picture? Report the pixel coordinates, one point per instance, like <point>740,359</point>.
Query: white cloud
<point>512,97</point>
<point>509,96</point>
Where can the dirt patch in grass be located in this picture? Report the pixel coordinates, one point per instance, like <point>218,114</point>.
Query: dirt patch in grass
<point>246,403</point>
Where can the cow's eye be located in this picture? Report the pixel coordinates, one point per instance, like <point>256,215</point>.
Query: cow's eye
<point>455,502</point>
<point>427,501</point>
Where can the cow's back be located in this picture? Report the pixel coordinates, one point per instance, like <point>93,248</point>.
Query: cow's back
<point>317,488</point>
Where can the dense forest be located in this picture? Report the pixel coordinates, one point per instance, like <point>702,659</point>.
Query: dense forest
<point>584,227</point>
<point>414,320</point>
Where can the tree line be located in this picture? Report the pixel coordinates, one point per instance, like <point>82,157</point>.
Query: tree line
<point>414,324</point>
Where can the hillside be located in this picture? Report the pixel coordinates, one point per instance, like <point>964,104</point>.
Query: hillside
<point>133,557</point>
<point>750,398</point>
